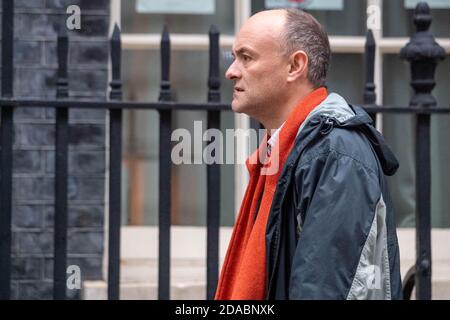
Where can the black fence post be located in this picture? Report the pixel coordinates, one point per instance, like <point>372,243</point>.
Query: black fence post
<point>6,152</point>
<point>213,169</point>
<point>164,173</point>
<point>423,53</point>
<point>115,169</point>
<point>61,146</point>
<point>369,91</point>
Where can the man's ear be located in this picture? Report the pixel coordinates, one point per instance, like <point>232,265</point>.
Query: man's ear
<point>298,66</point>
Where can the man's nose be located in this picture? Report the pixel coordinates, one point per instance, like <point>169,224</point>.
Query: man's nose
<point>233,72</point>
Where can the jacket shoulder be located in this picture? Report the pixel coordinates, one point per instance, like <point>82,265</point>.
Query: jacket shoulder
<point>341,142</point>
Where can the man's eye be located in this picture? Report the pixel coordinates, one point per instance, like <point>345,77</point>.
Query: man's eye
<point>246,58</point>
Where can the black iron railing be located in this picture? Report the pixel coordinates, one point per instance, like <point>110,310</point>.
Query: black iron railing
<point>422,52</point>
<point>6,152</point>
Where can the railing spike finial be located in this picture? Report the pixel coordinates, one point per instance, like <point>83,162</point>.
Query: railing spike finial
<point>165,34</point>
<point>214,77</point>
<point>115,51</point>
<point>62,30</point>
<point>62,84</point>
<point>213,29</point>
<point>369,92</point>
<point>116,32</point>
<point>165,92</point>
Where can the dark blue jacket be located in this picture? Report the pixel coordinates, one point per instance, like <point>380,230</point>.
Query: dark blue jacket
<point>331,230</point>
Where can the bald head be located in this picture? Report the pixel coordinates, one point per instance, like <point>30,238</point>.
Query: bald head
<point>292,30</point>
<point>268,19</point>
<point>269,25</point>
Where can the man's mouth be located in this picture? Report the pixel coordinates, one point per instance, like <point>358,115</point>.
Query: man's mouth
<point>238,89</point>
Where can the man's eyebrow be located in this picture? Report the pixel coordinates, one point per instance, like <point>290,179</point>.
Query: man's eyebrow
<point>243,50</point>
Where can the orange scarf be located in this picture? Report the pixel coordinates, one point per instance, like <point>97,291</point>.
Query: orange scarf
<point>244,273</point>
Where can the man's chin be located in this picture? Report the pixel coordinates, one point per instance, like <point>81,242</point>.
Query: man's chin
<point>238,108</point>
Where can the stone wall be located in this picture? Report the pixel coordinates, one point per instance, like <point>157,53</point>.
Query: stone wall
<point>35,29</point>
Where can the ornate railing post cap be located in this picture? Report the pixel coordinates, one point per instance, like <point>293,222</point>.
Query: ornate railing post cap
<point>422,44</point>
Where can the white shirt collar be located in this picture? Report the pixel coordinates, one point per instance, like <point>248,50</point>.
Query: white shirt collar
<point>273,138</point>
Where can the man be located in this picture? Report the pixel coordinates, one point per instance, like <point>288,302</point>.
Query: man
<point>320,226</point>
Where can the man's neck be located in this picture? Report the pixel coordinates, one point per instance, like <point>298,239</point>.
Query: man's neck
<point>276,120</point>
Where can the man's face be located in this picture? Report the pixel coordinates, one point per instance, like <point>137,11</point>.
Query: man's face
<point>259,69</point>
